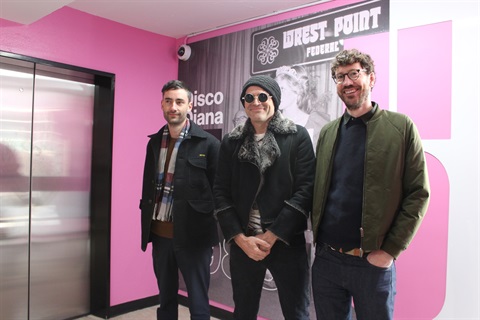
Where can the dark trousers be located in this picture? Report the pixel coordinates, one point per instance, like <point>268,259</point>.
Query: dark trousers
<point>338,278</point>
<point>194,265</point>
<point>289,268</point>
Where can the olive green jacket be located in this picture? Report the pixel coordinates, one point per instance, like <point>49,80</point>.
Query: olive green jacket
<point>396,188</point>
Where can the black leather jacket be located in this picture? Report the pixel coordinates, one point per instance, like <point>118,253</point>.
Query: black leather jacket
<point>193,205</point>
<point>285,199</point>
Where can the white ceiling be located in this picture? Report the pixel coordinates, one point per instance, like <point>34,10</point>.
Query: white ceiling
<point>173,18</point>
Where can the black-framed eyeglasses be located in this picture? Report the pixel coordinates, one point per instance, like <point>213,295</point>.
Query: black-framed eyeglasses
<point>262,97</point>
<point>353,74</point>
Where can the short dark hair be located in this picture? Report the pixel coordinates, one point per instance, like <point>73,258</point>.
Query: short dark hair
<point>176,85</point>
<point>351,56</point>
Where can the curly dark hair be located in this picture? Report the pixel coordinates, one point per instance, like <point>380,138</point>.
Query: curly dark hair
<point>351,56</point>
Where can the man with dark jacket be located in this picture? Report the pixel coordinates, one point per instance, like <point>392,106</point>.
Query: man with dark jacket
<point>263,193</point>
<point>177,204</point>
<point>371,194</point>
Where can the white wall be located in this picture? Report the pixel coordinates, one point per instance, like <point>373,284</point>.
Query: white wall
<point>459,154</point>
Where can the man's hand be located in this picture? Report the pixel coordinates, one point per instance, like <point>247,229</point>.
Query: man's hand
<point>380,258</point>
<point>255,248</point>
<point>269,237</point>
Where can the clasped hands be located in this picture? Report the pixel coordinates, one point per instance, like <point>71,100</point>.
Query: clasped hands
<point>256,247</point>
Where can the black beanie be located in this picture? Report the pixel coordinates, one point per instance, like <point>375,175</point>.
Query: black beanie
<point>266,83</point>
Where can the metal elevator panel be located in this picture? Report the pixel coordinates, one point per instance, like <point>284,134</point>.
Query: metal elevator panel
<point>46,119</point>
<point>16,95</point>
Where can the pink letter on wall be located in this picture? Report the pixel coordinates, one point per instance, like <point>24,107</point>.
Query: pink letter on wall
<point>425,78</point>
<point>422,268</point>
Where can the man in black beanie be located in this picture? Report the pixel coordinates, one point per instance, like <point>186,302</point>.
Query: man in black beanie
<point>263,197</point>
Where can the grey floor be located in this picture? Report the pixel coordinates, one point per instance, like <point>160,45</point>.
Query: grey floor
<point>144,314</point>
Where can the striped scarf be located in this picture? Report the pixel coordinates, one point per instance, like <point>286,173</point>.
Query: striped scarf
<point>163,205</point>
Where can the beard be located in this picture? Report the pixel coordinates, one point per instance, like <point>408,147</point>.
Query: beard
<point>173,120</point>
<point>354,104</point>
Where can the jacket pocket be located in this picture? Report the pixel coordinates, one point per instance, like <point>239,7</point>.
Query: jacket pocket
<point>198,172</point>
<point>202,206</point>
<point>199,162</point>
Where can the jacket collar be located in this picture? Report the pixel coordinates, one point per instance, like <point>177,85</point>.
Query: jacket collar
<point>265,154</point>
<point>365,118</point>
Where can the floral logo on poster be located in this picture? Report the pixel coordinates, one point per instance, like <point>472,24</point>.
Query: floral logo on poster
<point>268,50</point>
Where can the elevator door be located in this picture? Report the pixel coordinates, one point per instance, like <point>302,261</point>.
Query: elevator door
<point>46,118</point>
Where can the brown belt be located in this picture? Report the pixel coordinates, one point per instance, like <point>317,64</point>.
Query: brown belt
<point>356,252</point>
<point>162,228</point>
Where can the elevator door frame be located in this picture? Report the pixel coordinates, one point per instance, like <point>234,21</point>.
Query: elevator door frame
<point>101,178</point>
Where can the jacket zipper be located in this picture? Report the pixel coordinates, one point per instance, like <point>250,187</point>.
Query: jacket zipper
<point>361,242</point>
<point>362,233</point>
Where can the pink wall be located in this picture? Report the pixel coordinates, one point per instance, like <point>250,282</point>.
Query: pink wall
<point>142,62</point>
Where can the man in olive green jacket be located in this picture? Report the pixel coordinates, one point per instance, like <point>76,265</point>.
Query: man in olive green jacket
<point>371,193</point>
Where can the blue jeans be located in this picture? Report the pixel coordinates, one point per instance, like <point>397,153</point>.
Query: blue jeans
<point>337,278</point>
<point>289,268</point>
<point>194,264</point>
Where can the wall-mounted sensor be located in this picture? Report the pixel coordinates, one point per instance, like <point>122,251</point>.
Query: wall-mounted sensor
<point>184,52</point>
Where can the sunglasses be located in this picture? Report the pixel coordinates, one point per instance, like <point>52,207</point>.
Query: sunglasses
<point>262,97</point>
